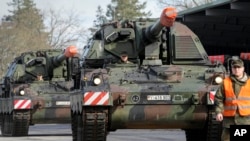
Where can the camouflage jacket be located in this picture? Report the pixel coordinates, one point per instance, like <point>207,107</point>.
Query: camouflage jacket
<point>219,103</point>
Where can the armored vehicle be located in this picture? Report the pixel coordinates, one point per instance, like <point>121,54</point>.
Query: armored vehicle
<point>170,84</point>
<point>36,89</point>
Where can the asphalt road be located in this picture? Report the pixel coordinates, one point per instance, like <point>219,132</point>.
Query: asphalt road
<point>62,132</point>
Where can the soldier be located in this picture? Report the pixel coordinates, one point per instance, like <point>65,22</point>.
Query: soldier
<point>233,98</point>
<point>124,58</point>
<point>39,77</point>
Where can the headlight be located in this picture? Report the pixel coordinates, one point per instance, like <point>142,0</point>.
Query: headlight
<point>218,80</point>
<point>97,81</point>
<point>22,92</point>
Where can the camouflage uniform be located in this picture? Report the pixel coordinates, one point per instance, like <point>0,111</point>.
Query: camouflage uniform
<point>219,107</point>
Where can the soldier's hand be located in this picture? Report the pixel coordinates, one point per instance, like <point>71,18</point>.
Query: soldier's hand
<point>219,117</point>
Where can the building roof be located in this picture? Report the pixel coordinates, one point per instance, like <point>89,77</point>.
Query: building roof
<point>222,26</point>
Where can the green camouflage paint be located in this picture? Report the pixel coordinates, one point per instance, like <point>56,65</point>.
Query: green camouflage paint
<point>168,85</point>
<point>29,99</point>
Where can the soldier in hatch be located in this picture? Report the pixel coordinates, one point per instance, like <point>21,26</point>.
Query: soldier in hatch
<point>124,58</point>
<point>39,77</point>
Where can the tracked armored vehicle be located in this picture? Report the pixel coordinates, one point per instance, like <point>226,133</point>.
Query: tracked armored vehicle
<point>170,84</point>
<point>36,89</point>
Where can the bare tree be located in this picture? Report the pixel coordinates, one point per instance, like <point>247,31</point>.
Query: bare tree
<point>182,4</point>
<point>27,29</point>
<point>64,30</point>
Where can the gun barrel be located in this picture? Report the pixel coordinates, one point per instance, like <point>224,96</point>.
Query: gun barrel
<point>69,52</point>
<point>167,19</point>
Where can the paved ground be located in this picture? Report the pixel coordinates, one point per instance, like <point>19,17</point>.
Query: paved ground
<point>62,132</point>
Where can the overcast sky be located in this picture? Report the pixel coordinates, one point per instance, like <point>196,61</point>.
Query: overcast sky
<point>85,8</point>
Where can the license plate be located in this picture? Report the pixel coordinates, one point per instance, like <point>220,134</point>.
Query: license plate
<point>61,103</point>
<point>158,97</point>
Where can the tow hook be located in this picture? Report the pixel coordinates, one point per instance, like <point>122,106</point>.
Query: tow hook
<point>122,99</point>
<point>195,99</point>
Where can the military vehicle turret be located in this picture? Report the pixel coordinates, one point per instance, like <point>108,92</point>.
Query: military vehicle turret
<point>170,84</point>
<point>36,89</point>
